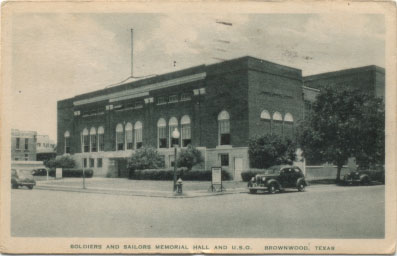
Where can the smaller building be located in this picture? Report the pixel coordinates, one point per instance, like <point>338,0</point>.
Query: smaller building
<point>370,79</point>
<point>23,145</point>
<point>45,148</point>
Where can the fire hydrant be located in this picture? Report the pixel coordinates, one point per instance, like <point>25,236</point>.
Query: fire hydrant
<point>179,184</point>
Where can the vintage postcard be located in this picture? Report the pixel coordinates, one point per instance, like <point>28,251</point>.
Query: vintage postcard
<point>136,127</point>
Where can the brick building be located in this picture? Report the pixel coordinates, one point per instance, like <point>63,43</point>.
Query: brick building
<point>216,108</point>
<point>370,79</point>
<point>23,145</point>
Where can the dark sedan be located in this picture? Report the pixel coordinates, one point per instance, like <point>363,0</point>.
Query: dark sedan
<point>22,178</point>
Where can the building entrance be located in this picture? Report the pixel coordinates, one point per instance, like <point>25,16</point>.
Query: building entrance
<point>120,168</point>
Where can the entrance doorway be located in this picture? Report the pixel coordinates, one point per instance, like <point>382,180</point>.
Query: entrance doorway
<point>238,168</point>
<point>121,167</point>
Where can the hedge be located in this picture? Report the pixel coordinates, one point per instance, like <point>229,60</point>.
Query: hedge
<point>168,174</point>
<point>73,173</point>
<point>247,175</point>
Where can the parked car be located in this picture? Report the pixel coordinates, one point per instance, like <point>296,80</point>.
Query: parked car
<point>40,172</point>
<point>365,176</point>
<point>22,178</point>
<point>278,178</point>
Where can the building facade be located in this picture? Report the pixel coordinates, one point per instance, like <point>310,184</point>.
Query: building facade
<point>23,145</point>
<point>45,148</point>
<point>216,108</point>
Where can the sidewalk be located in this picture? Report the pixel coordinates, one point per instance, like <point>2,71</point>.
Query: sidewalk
<point>148,188</point>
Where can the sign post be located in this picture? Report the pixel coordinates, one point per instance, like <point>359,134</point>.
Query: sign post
<point>216,179</point>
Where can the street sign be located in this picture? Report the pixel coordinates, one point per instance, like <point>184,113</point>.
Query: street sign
<point>216,175</point>
<point>58,173</point>
<point>216,179</point>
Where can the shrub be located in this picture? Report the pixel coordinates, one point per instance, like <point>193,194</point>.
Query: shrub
<point>168,174</point>
<point>247,175</point>
<point>61,162</point>
<point>145,158</point>
<point>271,150</point>
<point>189,157</point>
<point>73,173</point>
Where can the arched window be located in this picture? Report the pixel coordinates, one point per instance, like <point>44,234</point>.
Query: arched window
<point>85,141</point>
<point>288,118</point>
<point>162,133</point>
<point>138,134</point>
<point>93,139</point>
<point>265,115</point>
<point>224,128</point>
<point>119,137</point>
<point>277,116</point>
<point>172,125</point>
<point>277,125</point>
<point>67,142</point>
<point>288,125</point>
<point>266,121</point>
<point>186,131</point>
<point>101,138</point>
<point>128,135</point>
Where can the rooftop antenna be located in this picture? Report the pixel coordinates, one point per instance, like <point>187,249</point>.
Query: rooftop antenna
<point>132,65</point>
<point>132,52</point>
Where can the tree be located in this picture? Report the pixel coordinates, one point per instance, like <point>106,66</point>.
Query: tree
<point>145,158</point>
<point>60,162</point>
<point>270,150</point>
<point>344,123</point>
<point>189,157</point>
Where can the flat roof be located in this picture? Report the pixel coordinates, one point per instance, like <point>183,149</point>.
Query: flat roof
<point>201,69</point>
<point>343,72</point>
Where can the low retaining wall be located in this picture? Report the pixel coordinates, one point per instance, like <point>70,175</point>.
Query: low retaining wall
<point>323,172</point>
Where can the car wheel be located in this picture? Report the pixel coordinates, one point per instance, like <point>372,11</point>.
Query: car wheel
<point>252,191</point>
<point>301,187</point>
<point>30,187</point>
<point>15,186</point>
<point>272,189</point>
<point>365,181</point>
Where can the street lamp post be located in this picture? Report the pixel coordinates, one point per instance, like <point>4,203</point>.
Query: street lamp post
<point>175,135</point>
<point>84,187</point>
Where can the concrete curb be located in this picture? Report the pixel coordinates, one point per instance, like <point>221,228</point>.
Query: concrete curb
<point>159,194</point>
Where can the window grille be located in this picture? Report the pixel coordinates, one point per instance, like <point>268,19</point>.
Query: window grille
<point>186,131</point>
<point>128,136</point>
<point>162,133</point>
<point>224,128</point>
<point>119,137</point>
<point>138,135</point>
<point>161,100</point>
<point>186,96</point>
<point>173,98</point>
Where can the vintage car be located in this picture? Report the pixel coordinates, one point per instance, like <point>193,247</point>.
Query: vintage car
<point>278,178</point>
<point>22,177</point>
<point>364,176</point>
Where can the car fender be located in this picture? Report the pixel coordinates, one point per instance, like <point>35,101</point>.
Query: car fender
<point>273,181</point>
<point>301,180</point>
<point>364,176</point>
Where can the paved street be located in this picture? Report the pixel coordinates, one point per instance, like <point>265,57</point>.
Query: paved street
<point>323,211</point>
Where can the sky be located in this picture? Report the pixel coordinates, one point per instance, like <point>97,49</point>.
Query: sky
<point>58,56</point>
